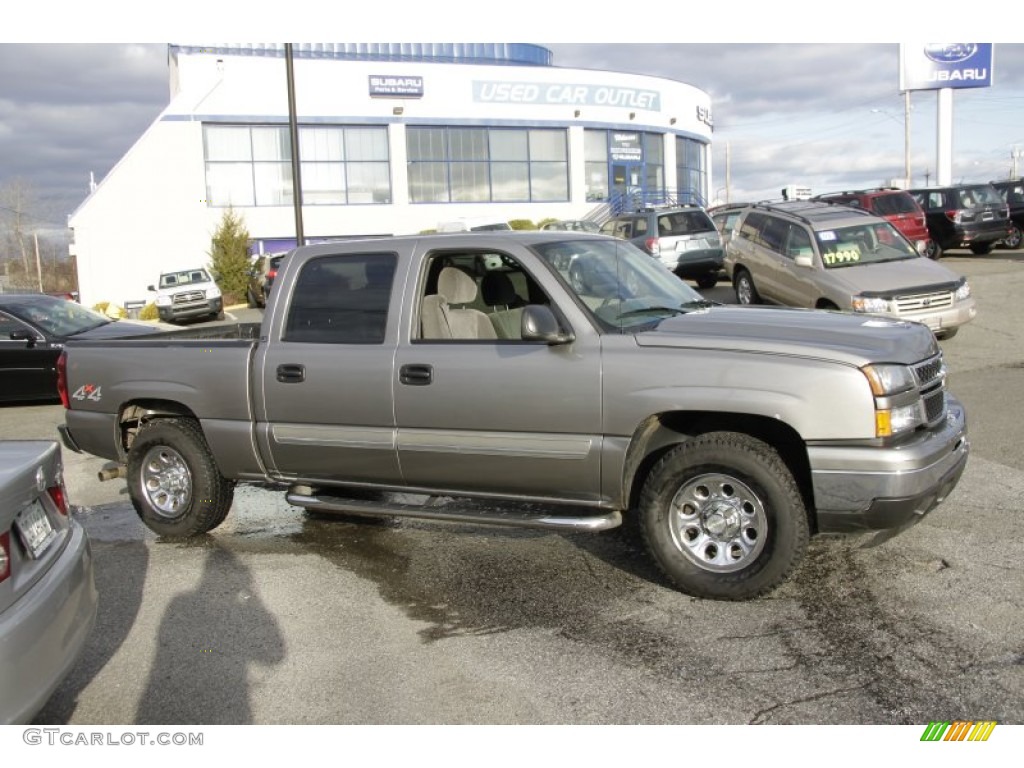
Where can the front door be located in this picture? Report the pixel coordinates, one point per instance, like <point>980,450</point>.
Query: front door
<point>628,181</point>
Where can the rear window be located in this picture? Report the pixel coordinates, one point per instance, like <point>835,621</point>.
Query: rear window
<point>892,205</point>
<point>683,223</point>
<point>972,197</point>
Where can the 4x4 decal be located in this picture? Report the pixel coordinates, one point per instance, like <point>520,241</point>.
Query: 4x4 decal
<point>88,392</point>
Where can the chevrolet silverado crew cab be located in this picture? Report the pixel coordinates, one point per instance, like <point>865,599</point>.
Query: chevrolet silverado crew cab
<point>558,380</point>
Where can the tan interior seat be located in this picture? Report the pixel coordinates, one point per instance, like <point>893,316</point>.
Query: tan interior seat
<point>444,317</point>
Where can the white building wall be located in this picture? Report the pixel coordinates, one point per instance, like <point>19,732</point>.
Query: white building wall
<point>149,214</point>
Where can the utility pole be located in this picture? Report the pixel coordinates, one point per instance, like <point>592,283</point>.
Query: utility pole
<point>39,267</point>
<point>300,238</point>
<point>906,139</point>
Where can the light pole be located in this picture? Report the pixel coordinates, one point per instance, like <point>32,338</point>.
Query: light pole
<point>906,135</point>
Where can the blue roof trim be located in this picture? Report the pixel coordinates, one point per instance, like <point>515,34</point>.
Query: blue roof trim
<point>516,54</point>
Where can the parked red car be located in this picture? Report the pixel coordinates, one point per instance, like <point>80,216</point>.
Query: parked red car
<point>896,206</point>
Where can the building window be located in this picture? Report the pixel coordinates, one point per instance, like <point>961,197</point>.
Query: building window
<point>691,171</point>
<point>595,157</point>
<point>251,165</point>
<point>487,165</point>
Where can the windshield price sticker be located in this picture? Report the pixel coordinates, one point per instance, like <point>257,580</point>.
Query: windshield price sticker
<point>827,236</point>
<point>35,528</point>
<point>849,256</point>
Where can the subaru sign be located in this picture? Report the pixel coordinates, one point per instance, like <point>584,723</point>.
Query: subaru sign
<point>945,65</point>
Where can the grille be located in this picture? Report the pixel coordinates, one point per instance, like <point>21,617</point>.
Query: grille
<point>935,406</point>
<point>189,297</point>
<point>931,379</point>
<point>929,370</point>
<point>923,302</point>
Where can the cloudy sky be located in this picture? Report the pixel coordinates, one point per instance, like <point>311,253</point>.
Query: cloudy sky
<point>826,114</point>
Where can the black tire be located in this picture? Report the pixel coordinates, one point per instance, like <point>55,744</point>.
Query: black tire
<point>743,284</point>
<point>707,281</point>
<point>173,481</point>
<point>1012,241</point>
<point>949,333</point>
<point>219,315</point>
<point>250,299</point>
<point>933,250</point>
<point>723,517</point>
<point>981,249</point>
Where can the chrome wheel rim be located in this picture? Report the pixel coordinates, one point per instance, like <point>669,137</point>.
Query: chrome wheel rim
<point>718,523</point>
<point>166,481</point>
<point>744,290</point>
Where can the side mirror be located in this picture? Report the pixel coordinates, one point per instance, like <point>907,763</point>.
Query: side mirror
<point>24,334</point>
<point>803,260</point>
<point>540,324</point>
<point>150,288</point>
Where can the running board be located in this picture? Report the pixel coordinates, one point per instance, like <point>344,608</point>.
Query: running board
<point>456,511</point>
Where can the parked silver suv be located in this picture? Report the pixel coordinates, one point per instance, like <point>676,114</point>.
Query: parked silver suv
<point>821,256</point>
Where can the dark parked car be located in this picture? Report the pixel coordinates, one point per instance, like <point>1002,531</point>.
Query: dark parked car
<point>971,216</point>
<point>48,598</point>
<point>33,329</point>
<point>683,238</point>
<point>897,206</point>
<point>1013,193</point>
<point>261,279</point>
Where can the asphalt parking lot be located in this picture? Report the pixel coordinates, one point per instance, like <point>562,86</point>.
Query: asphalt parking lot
<point>278,617</point>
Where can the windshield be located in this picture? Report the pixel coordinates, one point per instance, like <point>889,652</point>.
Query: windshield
<point>618,284</point>
<point>57,317</point>
<point>185,277</point>
<point>868,243</point>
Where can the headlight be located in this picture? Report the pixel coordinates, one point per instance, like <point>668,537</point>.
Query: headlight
<point>163,301</point>
<point>892,386</point>
<point>213,293</point>
<point>888,380</point>
<point>870,306</point>
<point>963,292</point>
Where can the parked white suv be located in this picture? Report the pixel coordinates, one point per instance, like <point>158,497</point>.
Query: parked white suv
<point>188,293</point>
<point>822,256</point>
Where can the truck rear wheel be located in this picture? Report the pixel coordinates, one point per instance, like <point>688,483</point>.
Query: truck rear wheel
<point>174,483</point>
<point>723,517</point>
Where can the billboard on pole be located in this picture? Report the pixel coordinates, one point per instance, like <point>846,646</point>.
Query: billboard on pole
<point>930,66</point>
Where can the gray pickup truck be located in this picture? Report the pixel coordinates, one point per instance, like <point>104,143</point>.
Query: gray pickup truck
<point>557,380</point>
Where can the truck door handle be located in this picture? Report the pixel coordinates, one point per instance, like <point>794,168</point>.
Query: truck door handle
<point>291,373</point>
<point>416,375</point>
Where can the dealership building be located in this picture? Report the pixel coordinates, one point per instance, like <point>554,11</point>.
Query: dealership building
<point>391,139</point>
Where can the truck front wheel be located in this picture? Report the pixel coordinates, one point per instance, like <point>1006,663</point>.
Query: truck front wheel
<point>173,481</point>
<point>723,517</point>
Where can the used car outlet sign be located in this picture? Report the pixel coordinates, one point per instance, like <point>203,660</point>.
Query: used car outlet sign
<point>576,94</point>
<point>945,65</point>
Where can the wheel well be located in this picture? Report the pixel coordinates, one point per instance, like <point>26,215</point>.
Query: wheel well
<point>661,433</point>
<point>825,304</point>
<point>135,414</point>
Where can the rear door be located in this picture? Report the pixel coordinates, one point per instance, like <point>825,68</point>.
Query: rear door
<point>324,403</point>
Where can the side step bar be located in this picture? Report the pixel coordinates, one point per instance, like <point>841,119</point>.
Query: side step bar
<point>455,511</point>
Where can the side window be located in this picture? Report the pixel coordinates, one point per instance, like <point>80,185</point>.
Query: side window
<point>934,200</point>
<point>7,326</point>
<point>640,227</point>
<point>342,300</point>
<point>798,242</point>
<point>774,234</point>
<point>476,296</point>
<point>751,227</point>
